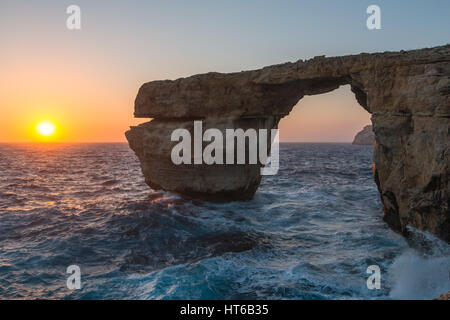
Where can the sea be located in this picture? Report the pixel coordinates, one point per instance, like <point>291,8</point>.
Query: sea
<point>313,231</point>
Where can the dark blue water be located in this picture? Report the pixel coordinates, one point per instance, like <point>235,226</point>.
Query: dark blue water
<point>310,232</point>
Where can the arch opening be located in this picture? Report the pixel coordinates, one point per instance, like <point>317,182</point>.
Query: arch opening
<point>335,116</point>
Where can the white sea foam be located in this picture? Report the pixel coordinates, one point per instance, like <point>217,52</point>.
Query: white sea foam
<point>421,275</point>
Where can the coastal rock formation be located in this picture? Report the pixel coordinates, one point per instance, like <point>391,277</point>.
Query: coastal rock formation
<point>407,93</point>
<point>444,296</point>
<point>365,136</point>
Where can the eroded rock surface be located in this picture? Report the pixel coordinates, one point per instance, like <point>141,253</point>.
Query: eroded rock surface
<point>365,136</point>
<point>407,93</point>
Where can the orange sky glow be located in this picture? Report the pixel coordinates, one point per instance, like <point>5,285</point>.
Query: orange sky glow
<point>90,105</point>
<point>85,81</point>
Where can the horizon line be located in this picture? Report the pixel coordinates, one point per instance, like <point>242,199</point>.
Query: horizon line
<point>105,142</point>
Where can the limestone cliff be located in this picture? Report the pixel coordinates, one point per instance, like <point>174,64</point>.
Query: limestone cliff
<point>407,93</point>
<point>365,136</point>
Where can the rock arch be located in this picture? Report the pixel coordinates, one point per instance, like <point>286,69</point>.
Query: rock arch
<point>407,93</point>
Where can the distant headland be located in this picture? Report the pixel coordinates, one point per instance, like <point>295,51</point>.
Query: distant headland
<point>365,136</point>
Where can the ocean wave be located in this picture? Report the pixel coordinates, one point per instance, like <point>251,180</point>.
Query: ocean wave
<point>309,233</point>
<point>423,271</point>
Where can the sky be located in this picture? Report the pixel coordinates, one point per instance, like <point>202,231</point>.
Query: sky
<point>85,81</point>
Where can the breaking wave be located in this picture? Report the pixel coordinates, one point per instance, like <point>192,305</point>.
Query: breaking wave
<point>422,272</point>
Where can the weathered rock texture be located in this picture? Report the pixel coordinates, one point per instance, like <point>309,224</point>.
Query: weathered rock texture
<point>407,93</point>
<point>365,136</point>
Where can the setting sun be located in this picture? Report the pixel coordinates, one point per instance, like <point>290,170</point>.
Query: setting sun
<point>46,128</point>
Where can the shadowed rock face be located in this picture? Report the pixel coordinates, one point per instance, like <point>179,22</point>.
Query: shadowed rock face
<point>407,93</point>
